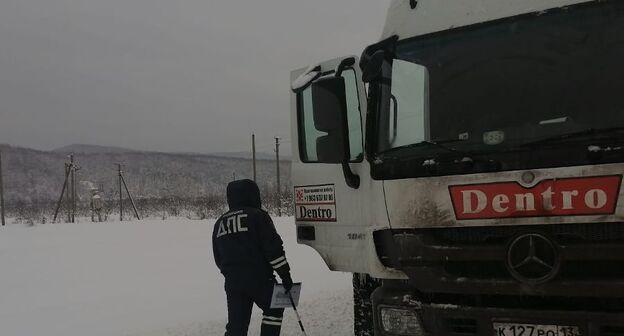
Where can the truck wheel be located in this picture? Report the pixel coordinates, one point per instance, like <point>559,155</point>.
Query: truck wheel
<point>363,287</point>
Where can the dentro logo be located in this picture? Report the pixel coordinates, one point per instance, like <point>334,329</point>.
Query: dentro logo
<point>316,203</point>
<point>555,197</point>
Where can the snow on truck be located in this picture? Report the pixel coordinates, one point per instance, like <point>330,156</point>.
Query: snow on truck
<point>468,168</point>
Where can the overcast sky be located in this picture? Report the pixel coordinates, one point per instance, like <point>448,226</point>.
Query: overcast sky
<point>184,75</point>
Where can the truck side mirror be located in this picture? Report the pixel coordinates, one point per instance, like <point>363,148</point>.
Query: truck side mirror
<point>372,66</point>
<point>330,116</point>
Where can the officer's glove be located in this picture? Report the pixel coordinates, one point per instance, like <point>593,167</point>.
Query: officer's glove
<point>287,282</point>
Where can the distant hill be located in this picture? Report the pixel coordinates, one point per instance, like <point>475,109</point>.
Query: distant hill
<point>89,149</point>
<point>247,155</point>
<point>33,175</point>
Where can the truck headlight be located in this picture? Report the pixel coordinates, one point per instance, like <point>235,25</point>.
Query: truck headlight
<point>398,321</point>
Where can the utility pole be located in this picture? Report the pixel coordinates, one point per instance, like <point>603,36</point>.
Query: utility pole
<point>120,194</point>
<point>69,188</point>
<point>1,193</point>
<point>73,187</point>
<point>279,190</point>
<point>65,187</point>
<point>253,154</point>
<point>122,180</point>
<point>76,169</point>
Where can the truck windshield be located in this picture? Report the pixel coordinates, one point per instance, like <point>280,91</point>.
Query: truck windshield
<point>510,82</point>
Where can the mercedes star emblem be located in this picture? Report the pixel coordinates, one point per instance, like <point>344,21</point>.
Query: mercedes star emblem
<point>532,258</point>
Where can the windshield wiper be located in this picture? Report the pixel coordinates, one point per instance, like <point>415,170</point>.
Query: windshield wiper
<point>424,143</point>
<point>466,159</point>
<point>571,135</point>
<point>432,143</point>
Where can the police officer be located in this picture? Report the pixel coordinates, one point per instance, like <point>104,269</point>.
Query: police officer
<point>247,249</point>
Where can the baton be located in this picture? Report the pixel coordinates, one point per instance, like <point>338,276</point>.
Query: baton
<point>292,302</point>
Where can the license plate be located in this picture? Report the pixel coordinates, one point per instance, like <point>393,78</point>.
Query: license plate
<point>523,329</point>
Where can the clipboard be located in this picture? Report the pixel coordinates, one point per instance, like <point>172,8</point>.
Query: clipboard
<point>280,299</point>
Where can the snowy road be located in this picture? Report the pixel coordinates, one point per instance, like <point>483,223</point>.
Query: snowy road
<point>147,278</point>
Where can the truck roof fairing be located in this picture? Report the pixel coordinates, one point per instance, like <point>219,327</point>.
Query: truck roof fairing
<point>430,16</point>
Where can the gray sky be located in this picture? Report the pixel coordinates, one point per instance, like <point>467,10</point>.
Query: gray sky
<point>184,75</point>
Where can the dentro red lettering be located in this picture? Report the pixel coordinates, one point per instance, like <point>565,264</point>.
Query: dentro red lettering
<point>575,196</point>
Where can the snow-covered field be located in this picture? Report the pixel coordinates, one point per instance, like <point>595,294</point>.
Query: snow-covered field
<point>143,278</point>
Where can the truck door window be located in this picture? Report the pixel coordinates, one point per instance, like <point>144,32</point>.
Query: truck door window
<point>308,134</point>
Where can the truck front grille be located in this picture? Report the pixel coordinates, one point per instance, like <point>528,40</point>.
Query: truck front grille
<point>564,233</point>
<point>474,259</point>
<point>570,270</point>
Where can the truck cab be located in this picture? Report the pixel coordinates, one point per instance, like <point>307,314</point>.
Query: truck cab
<point>471,161</point>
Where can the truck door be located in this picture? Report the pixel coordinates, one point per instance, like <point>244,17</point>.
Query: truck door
<point>337,204</point>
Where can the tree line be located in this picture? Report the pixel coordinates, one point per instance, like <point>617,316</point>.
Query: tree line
<point>208,206</point>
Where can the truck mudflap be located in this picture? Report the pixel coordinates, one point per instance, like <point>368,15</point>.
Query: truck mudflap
<point>441,319</point>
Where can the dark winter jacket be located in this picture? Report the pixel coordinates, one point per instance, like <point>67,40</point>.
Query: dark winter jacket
<point>245,243</point>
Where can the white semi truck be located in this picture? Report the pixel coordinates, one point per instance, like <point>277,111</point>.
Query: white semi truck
<point>468,168</point>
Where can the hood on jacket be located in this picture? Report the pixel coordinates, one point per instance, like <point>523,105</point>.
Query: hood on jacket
<point>243,193</point>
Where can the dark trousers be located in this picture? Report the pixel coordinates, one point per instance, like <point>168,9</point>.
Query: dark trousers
<point>241,295</point>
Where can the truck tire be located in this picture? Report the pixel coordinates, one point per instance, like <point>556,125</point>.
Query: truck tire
<point>363,287</point>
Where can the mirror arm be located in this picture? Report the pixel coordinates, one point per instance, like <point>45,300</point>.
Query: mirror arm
<point>395,122</point>
<point>344,64</point>
<point>388,45</point>
<point>306,79</point>
<point>352,179</point>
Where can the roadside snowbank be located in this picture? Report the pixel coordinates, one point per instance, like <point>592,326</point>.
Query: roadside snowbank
<point>147,278</point>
